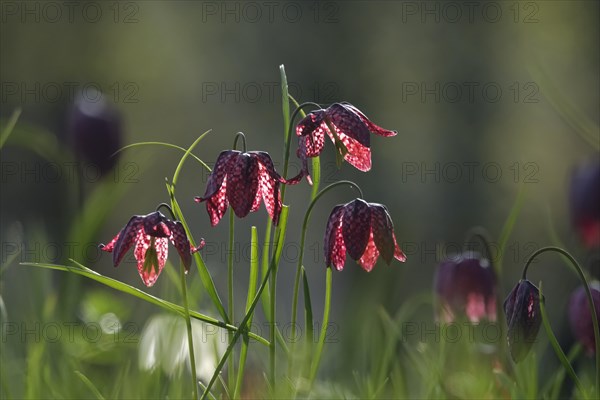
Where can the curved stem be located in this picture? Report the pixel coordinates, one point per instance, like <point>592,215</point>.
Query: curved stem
<point>165,145</point>
<point>237,136</point>
<point>483,236</point>
<point>588,293</point>
<point>167,207</point>
<point>301,253</point>
<point>188,323</point>
<point>317,358</point>
<point>288,141</point>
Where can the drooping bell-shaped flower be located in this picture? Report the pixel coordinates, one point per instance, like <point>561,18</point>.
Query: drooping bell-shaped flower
<point>584,202</point>
<point>151,235</point>
<point>95,130</point>
<point>349,129</point>
<point>242,180</point>
<point>465,285</point>
<point>580,317</point>
<point>365,231</point>
<point>523,318</point>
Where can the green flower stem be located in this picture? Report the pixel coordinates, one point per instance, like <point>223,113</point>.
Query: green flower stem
<point>173,146</point>
<point>317,357</point>
<point>231,373</point>
<point>251,292</point>
<point>301,254</point>
<point>188,324</point>
<point>557,349</point>
<point>588,293</point>
<point>244,324</point>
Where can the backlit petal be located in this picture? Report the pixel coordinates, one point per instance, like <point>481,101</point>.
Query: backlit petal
<point>333,244</point>
<point>127,237</point>
<point>383,231</point>
<point>242,183</point>
<point>369,258</point>
<point>370,125</point>
<point>356,227</point>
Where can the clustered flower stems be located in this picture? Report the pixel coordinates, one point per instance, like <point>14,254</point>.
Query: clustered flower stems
<point>243,180</point>
<point>588,292</point>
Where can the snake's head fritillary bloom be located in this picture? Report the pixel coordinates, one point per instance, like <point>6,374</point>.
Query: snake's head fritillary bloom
<point>523,317</point>
<point>465,285</point>
<point>95,130</point>
<point>349,129</point>
<point>242,180</point>
<point>584,200</point>
<point>580,317</point>
<point>363,230</point>
<point>151,234</point>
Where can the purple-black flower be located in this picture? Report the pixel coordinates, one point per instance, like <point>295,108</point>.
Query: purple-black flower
<point>580,317</point>
<point>465,284</point>
<point>523,317</point>
<point>151,234</point>
<point>365,231</point>
<point>584,201</point>
<point>349,129</point>
<point>242,180</point>
<point>95,129</point>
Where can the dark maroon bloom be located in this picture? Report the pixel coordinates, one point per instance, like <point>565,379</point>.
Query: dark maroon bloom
<point>465,284</point>
<point>523,317</point>
<point>584,202</point>
<point>242,180</point>
<point>364,230</point>
<point>151,234</point>
<point>580,317</point>
<point>350,132</point>
<point>95,130</point>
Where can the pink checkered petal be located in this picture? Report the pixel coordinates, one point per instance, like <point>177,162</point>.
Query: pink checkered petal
<point>398,254</point>
<point>111,245</point>
<point>358,155</point>
<point>370,125</point>
<point>383,231</point>
<point>217,204</point>
<point>349,123</point>
<point>333,244</point>
<point>356,227</point>
<point>217,176</point>
<point>127,237</point>
<point>242,183</point>
<point>369,257</point>
<point>161,245</point>
<point>180,241</point>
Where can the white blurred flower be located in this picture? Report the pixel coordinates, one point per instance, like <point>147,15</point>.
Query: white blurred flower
<point>164,344</point>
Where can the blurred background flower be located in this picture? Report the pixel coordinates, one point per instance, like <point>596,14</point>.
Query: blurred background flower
<point>580,317</point>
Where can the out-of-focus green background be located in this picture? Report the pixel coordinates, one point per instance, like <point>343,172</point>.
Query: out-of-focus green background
<point>483,96</point>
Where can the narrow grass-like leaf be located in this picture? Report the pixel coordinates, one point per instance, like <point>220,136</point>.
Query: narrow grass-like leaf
<point>250,296</point>
<point>164,144</point>
<point>10,125</point>
<point>557,349</point>
<point>308,312</point>
<point>90,385</point>
<point>282,224</point>
<point>322,336</point>
<point>205,276</point>
<point>122,287</point>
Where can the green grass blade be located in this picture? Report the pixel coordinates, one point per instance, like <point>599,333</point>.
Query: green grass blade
<point>557,349</point>
<point>90,385</point>
<point>205,276</point>
<point>308,312</point>
<point>10,125</point>
<point>250,296</point>
<point>164,144</point>
<point>122,287</point>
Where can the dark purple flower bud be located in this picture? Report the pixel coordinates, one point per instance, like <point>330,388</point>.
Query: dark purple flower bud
<point>95,128</point>
<point>580,317</point>
<point>523,318</point>
<point>364,230</point>
<point>348,128</point>
<point>585,202</point>
<point>151,235</point>
<point>244,180</point>
<point>465,285</point>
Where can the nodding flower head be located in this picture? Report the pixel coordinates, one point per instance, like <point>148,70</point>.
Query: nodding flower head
<point>242,180</point>
<point>365,231</point>
<point>95,130</point>
<point>580,317</point>
<point>584,200</point>
<point>523,317</point>
<point>349,129</point>
<point>465,284</point>
<point>151,234</point>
